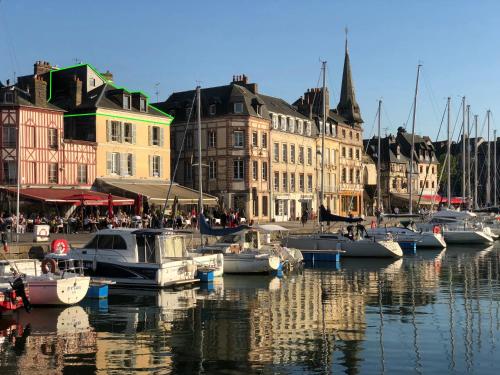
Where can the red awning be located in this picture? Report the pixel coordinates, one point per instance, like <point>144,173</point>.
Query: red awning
<point>439,199</point>
<point>71,196</point>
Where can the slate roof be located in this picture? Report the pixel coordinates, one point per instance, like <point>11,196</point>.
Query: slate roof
<point>24,98</point>
<point>388,150</point>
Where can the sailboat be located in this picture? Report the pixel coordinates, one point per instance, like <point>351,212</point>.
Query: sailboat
<point>328,246</point>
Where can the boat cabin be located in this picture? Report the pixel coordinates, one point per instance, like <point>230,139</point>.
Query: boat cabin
<point>135,245</point>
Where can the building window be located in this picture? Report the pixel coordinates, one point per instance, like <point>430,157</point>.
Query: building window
<point>284,150</point>
<point>275,121</point>
<point>358,176</point>
<point>142,104</point>
<point>309,183</point>
<point>433,184</point>
<point>343,152</point>
<point>265,205</point>
<point>10,172</point>
<point>116,131</point>
<point>255,169</point>
<point>301,182</point>
<point>350,153</point>
<point>212,169</point>
<point>128,132</point>
<point>264,140</point>
<point>130,164</point>
<point>300,127</point>
<point>344,175</point>
<point>301,155</point>
<point>126,102</point>
<point>285,181</point>
<point>156,166</point>
<point>357,136</point>
<point>115,163</point>
<point>81,174</point>
<point>9,136</point>
<point>308,128</point>
<point>264,171</point>
<point>53,173</point>
<point>212,139</point>
<point>357,154</point>
<point>309,156</point>
<point>343,133</point>
<point>292,154</point>
<point>291,125</point>
<point>8,97</point>
<point>292,182</point>
<point>276,152</point>
<point>238,107</point>
<point>188,170</point>
<point>238,169</point>
<point>92,82</point>
<point>394,183</point>
<point>283,123</point>
<point>276,181</point>
<point>212,109</point>
<point>351,176</point>
<point>238,139</point>
<point>53,138</point>
<point>255,139</point>
<point>156,136</point>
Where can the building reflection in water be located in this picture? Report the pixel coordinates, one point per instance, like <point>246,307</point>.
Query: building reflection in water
<point>435,312</point>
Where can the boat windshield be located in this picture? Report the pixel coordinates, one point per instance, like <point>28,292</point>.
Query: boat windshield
<point>107,242</point>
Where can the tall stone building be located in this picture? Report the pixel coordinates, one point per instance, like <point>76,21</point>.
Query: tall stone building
<point>258,150</point>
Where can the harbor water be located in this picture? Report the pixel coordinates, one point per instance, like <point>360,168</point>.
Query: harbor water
<point>434,312</point>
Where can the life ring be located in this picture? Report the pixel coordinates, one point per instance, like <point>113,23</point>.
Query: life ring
<point>43,232</point>
<point>49,263</point>
<point>59,246</point>
<point>436,229</point>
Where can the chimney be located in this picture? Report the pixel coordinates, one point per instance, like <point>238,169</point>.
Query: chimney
<point>242,80</point>
<point>108,75</point>
<point>41,67</point>
<point>76,91</point>
<point>39,94</point>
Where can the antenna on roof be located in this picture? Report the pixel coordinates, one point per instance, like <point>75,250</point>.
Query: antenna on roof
<point>157,91</point>
<point>77,60</point>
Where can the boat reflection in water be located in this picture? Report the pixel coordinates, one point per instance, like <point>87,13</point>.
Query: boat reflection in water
<point>434,312</point>
<point>48,338</point>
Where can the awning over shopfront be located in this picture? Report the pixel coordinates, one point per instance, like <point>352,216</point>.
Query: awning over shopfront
<point>154,191</point>
<point>427,199</point>
<point>72,196</point>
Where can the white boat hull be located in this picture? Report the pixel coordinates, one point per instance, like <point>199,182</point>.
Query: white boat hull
<point>56,291</point>
<point>466,237</point>
<point>211,261</point>
<point>422,239</point>
<point>250,263</point>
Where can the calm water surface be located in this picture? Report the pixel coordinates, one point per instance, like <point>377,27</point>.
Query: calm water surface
<point>437,312</point>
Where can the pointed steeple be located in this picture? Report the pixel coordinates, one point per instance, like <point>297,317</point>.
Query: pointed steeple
<point>348,107</point>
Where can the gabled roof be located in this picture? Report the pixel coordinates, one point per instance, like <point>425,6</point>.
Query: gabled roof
<point>278,105</point>
<point>24,98</point>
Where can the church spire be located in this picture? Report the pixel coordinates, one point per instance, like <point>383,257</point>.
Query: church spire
<point>348,107</point>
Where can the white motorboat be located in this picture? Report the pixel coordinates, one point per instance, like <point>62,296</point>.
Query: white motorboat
<point>336,242</point>
<point>138,258</point>
<point>404,234</point>
<point>67,288</point>
<point>458,227</point>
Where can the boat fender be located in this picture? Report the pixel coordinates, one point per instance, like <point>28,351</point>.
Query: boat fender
<point>373,225</point>
<point>59,246</point>
<point>49,265</point>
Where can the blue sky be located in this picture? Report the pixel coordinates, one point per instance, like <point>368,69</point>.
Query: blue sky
<point>278,44</point>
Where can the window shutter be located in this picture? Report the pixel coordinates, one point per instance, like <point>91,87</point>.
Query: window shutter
<point>122,132</point>
<point>161,166</point>
<point>123,165</point>
<point>161,136</point>
<point>134,140</point>
<point>133,163</point>
<point>150,135</point>
<point>108,163</point>
<point>150,165</point>
<point>108,131</point>
<point>118,162</point>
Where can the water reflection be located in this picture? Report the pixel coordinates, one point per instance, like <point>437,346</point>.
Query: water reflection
<point>435,312</point>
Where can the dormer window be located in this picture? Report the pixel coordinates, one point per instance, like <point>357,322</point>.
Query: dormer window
<point>126,102</point>
<point>291,125</point>
<point>283,123</point>
<point>212,109</point>
<point>275,121</point>
<point>258,109</point>
<point>8,97</point>
<point>308,128</point>
<point>92,82</point>
<point>142,104</point>
<point>300,127</point>
<point>238,107</point>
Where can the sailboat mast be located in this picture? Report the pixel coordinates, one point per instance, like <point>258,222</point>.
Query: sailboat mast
<point>412,150</point>
<point>488,167</point>
<point>476,182</point>
<point>494,168</point>
<point>463,148</point>
<point>200,168</point>
<point>379,157</point>
<point>448,159</point>
<point>323,130</point>
<point>467,154</point>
